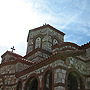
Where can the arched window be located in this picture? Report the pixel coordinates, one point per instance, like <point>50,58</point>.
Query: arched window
<point>32,84</point>
<point>55,41</point>
<point>48,80</point>
<point>38,42</point>
<point>19,86</point>
<point>74,81</point>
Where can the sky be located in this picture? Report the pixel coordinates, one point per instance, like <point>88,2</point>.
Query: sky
<point>17,17</point>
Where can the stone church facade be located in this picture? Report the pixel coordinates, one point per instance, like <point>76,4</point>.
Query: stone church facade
<point>49,63</point>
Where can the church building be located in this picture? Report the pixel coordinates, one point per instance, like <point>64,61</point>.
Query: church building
<point>49,63</point>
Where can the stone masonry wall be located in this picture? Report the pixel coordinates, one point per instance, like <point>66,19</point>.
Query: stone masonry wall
<point>59,71</point>
<point>88,54</point>
<point>8,74</point>
<point>46,37</point>
<point>88,73</point>
<point>38,56</point>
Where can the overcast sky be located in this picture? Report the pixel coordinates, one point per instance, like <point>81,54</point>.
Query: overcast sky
<point>17,17</point>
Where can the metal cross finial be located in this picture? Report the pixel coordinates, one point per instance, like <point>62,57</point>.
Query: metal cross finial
<point>12,48</point>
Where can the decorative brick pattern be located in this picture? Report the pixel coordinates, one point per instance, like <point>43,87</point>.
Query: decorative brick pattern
<point>46,52</point>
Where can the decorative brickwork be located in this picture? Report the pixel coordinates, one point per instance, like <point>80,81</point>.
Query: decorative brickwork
<point>49,63</point>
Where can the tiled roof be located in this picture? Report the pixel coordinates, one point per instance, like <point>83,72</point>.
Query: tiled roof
<point>68,53</point>
<point>87,45</point>
<point>27,60</point>
<point>66,44</point>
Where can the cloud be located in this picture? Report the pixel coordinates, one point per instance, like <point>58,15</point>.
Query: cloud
<point>16,19</point>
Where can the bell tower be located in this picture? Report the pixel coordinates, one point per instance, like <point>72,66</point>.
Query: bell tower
<point>40,41</point>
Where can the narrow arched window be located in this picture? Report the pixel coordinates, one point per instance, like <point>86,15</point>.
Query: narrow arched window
<point>19,85</point>
<point>38,43</point>
<point>48,80</point>
<point>55,41</point>
<point>32,84</point>
<point>74,81</point>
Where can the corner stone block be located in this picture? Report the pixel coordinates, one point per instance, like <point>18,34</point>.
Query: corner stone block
<point>63,71</point>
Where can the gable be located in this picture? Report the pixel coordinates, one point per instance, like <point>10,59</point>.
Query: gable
<point>10,56</point>
<point>45,26</point>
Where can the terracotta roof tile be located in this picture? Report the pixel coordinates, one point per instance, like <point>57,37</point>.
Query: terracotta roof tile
<point>59,53</point>
<point>87,45</point>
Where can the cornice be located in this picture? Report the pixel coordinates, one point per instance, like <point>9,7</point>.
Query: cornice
<point>61,55</point>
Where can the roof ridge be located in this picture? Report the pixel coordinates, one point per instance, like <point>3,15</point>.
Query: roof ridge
<point>85,44</point>
<point>44,26</point>
<point>36,63</point>
<point>23,59</point>
<point>11,53</point>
